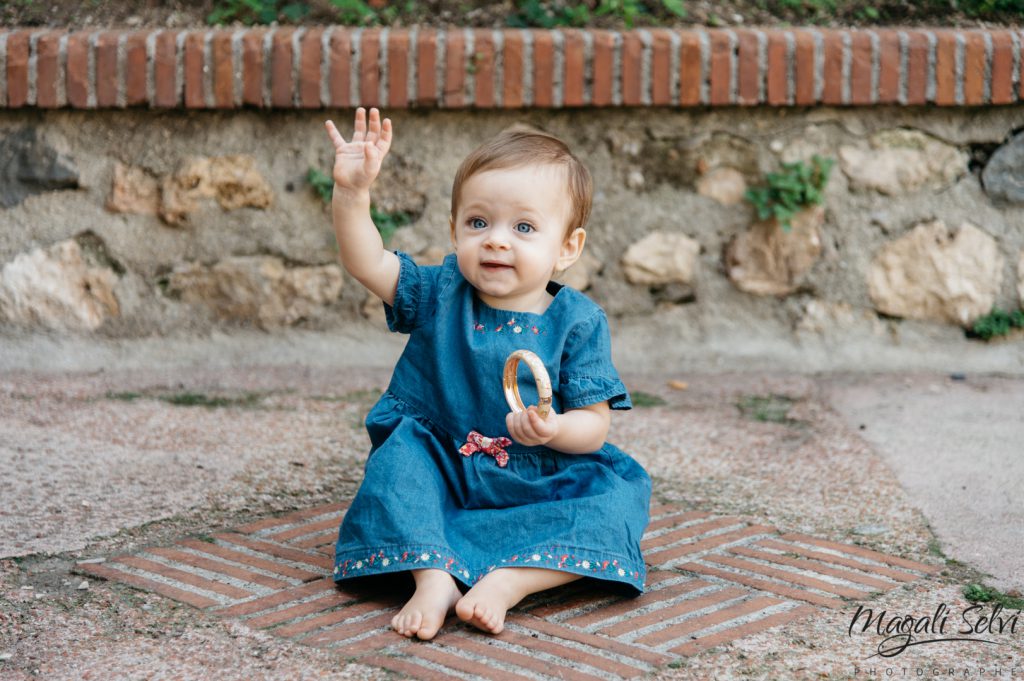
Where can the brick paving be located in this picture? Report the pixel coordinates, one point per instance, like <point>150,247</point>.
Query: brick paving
<point>711,580</point>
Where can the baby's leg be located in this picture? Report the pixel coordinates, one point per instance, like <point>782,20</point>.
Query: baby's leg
<point>485,605</point>
<point>436,595</point>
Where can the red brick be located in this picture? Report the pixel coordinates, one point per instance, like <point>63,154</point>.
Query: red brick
<point>604,65</point>
<point>626,606</point>
<point>76,81</point>
<point>1002,67</point>
<point>657,508</point>
<point>309,69</point>
<point>426,66</point>
<point>181,576</point>
<point>661,67</point>
<point>238,557</point>
<point>918,48</point>
<point>832,92</point>
<point>483,63</point>
<point>810,566</point>
<point>558,668</point>
<point>838,560</point>
<point>691,69</point>
<point>852,550</point>
<point>860,68</point>
<point>803,68</point>
<point>219,567</point>
<point>454,69</point>
<point>106,69</point>
<point>174,593</point>
<point>17,68</point>
<point>749,70</point>
<point>598,642</point>
<point>974,68</point>
<point>193,70</point>
<point>721,67</point>
<point>136,63</point>
<point>338,73</point>
<point>47,56</point>
<point>398,68</point>
<point>369,68</point>
<point>222,55</point>
<point>350,629</point>
<point>732,633</point>
<point>669,612</point>
<point>543,68</point>
<point>282,86</point>
<point>687,532</point>
<point>888,66</point>
<point>446,658</point>
<point>318,540</point>
<point>292,518</point>
<point>695,624</point>
<point>252,67</point>
<point>787,576</point>
<point>574,73</point>
<point>672,520</point>
<point>321,586</point>
<point>945,68</point>
<point>673,552</point>
<point>512,97</point>
<point>327,602</point>
<point>275,550</point>
<point>618,669</point>
<point>777,89</point>
<point>307,528</point>
<point>406,666</point>
<point>632,69</point>
<point>764,585</point>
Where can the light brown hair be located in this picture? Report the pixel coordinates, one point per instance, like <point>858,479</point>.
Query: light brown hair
<point>522,145</point>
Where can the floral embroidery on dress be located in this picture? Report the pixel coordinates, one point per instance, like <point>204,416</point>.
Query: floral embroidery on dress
<point>377,561</point>
<point>553,556</point>
<point>511,323</point>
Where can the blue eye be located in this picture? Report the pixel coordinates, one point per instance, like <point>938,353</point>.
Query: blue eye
<point>529,228</point>
<point>473,221</point>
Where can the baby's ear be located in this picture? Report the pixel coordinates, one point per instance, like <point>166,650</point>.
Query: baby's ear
<point>572,249</point>
<point>451,228</point>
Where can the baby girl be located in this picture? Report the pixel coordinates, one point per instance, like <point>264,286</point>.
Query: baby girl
<point>481,505</point>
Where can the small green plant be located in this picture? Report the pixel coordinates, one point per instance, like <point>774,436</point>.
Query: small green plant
<point>766,408</point>
<point>979,593</point>
<point>386,223</point>
<point>201,400</point>
<point>535,13</point>
<point>642,399</point>
<point>322,183</point>
<point>358,13</point>
<point>251,12</point>
<point>796,187</point>
<point>125,396</point>
<point>996,323</point>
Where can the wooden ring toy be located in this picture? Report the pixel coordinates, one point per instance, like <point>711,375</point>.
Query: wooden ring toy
<point>540,374</point>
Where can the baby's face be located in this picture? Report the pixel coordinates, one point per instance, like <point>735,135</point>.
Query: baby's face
<point>509,235</point>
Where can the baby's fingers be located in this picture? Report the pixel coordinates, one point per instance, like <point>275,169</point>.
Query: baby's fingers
<point>335,136</point>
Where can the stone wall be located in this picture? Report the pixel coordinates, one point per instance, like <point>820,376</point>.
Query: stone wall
<point>133,223</point>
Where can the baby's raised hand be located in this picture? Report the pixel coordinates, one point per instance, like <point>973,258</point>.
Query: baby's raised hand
<point>357,163</point>
<point>528,428</point>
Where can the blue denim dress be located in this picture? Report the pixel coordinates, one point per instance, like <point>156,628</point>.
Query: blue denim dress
<point>423,503</point>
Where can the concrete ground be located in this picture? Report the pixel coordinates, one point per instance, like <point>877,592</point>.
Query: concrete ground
<point>99,461</point>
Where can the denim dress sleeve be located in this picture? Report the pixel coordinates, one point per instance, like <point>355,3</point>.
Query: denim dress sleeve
<point>416,294</point>
<point>587,375</point>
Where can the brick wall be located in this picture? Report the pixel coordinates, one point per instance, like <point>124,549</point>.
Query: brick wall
<point>314,67</point>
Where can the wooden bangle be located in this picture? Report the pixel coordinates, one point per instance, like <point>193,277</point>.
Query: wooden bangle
<point>540,374</point>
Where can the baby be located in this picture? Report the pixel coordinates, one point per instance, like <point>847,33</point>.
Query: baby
<point>482,505</point>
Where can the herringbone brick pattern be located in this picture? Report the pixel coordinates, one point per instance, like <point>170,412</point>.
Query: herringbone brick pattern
<point>711,579</point>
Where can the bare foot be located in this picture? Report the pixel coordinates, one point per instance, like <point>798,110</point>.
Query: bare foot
<point>485,605</point>
<point>436,595</point>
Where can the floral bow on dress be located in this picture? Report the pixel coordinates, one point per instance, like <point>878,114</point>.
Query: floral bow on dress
<point>495,446</point>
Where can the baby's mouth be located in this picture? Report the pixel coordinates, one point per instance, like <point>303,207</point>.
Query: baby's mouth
<point>496,266</point>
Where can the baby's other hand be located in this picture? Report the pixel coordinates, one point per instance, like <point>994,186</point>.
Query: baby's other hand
<point>528,428</point>
<point>357,163</point>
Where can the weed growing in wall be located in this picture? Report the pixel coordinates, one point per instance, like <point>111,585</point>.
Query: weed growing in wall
<point>996,323</point>
<point>797,186</point>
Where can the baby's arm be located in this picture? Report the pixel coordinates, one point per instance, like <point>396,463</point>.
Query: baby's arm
<point>356,165</point>
<point>577,431</point>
